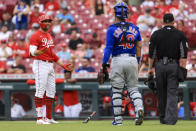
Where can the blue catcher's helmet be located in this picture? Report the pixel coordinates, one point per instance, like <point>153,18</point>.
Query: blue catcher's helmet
<point>121,10</point>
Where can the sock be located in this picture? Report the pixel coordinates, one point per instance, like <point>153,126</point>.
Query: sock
<point>39,108</point>
<point>48,101</point>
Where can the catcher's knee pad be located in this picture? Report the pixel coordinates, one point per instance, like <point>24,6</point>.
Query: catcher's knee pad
<point>136,98</point>
<point>117,101</point>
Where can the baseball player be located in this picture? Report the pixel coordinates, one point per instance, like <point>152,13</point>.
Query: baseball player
<point>123,42</point>
<point>41,45</point>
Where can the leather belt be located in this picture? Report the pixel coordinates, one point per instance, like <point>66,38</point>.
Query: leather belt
<point>169,60</point>
<point>126,54</point>
<point>48,61</point>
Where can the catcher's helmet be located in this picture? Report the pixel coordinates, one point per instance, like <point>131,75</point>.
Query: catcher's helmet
<point>121,10</point>
<point>42,18</point>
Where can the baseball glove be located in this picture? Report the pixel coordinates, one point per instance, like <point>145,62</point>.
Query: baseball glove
<point>103,74</point>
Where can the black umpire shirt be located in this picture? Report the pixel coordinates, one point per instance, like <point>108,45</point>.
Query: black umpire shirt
<point>168,42</point>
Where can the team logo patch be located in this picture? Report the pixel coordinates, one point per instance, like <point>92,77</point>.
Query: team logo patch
<point>47,43</point>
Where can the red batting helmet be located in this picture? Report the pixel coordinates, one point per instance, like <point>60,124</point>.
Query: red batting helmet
<point>42,18</point>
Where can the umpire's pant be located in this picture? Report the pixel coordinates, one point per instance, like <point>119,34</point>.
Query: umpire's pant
<point>167,84</point>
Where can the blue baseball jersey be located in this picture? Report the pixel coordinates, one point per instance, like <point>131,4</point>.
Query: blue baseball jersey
<point>114,38</point>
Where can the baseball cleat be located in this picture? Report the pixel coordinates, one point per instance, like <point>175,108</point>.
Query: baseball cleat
<point>116,124</point>
<point>42,122</point>
<point>51,121</point>
<point>139,117</point>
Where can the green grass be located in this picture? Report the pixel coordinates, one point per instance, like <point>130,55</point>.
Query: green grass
<point>102,125</point>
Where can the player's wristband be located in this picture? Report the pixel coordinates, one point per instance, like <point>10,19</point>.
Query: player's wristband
<point>138,60</point>
<point>104,66</point>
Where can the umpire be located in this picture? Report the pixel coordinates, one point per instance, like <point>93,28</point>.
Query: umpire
<point>169,46</point>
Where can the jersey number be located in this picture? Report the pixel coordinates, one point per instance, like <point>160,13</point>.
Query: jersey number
<point>127,45</point>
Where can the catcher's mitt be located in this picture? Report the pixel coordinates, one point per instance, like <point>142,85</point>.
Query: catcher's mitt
<point>151,83</point>
<point>103,74</point>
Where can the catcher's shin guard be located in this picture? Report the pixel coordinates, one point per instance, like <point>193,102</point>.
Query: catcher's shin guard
<point>116,95</point>
<point>136,97</point>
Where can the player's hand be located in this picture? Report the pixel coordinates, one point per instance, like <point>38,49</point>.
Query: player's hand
<point>149,72</point>
<point>68,67</point>
<point>103,74</point>
<point>43,50</point>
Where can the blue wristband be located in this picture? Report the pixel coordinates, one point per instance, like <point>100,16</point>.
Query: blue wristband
<point>138,60</point>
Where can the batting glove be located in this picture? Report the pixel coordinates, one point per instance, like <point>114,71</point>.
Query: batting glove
<point>67,67</point>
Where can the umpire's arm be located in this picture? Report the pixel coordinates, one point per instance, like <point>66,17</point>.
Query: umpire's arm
<point>183,50</point>
<point>152,52</point>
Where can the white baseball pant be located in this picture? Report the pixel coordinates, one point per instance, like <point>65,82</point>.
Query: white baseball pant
<point>72,111</point>
<point>124,71</point>
<point>44,78</point>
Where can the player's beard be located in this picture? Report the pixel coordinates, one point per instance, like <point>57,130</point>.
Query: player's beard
<point>47,28</point>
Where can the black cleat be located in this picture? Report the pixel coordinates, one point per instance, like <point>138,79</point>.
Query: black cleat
<point>139,117</point>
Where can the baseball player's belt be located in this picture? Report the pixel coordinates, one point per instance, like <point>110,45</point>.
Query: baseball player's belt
<point>125,54</point>
<point>48,61</point>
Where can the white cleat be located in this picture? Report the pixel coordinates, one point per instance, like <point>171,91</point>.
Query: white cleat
<point>42,122</point>
<point>51,121</point>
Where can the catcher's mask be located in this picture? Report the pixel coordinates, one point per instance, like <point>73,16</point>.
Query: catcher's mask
<point>121,10</point>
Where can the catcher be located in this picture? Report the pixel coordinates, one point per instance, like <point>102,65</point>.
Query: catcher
<point>123,42</point>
